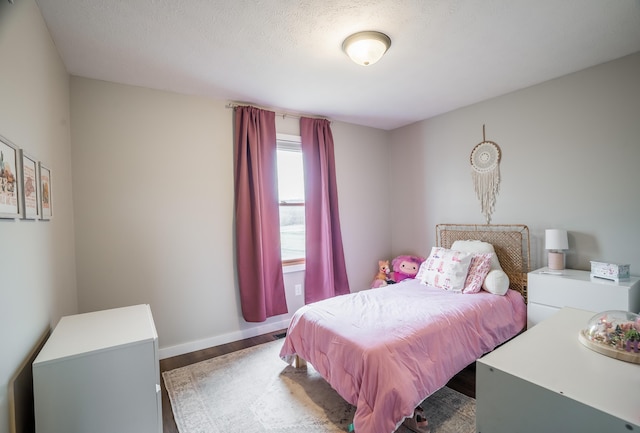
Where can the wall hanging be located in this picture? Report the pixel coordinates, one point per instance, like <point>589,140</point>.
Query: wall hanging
<point>485,165</point>
<point>10,188</point>
<point>46,208</point>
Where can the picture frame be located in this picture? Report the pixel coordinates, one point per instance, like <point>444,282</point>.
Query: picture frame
<point>30,170</point>
<point>10,188</point>
<point>46,202</point>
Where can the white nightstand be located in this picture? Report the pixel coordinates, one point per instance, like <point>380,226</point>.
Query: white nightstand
<point>548,292</point>
<point>545,380</point>
<point>99,372</point>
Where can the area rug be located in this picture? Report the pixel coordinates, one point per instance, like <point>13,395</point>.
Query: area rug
<point>254,391</point>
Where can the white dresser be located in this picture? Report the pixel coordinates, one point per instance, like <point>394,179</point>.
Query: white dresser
<point>99,372</point>
<point>545,380</point>
<point>548,292</point>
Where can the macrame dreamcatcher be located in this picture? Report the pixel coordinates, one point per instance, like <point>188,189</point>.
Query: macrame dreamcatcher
<point>485,172</point>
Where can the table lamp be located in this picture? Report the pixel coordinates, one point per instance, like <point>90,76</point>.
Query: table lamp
<point>556,241</point>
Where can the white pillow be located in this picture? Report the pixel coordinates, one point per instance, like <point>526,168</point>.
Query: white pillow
<point>478,247</point>
<point>445,269</point>
<point>496,282</point>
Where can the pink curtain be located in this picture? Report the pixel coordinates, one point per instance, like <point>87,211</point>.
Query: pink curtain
<point>258,257</point>
<point>325,270</point>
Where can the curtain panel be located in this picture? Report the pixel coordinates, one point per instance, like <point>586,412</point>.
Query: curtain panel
<point>258,258</point>
<point>325,270</point>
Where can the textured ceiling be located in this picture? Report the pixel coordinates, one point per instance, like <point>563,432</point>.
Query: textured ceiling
<point>286,54</point>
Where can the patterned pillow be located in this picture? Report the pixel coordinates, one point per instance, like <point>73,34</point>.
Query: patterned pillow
<point>445,269</point>
<point>478,247</point>
<point>478,270</point>
<point>496,281</point>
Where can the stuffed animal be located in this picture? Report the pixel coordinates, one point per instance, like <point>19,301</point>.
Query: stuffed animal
<point>405,267</point>
<point>383,274</point>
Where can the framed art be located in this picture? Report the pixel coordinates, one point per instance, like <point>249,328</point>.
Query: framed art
<point>46,208</point>
<point>10,189</point>
<point>30,187</point>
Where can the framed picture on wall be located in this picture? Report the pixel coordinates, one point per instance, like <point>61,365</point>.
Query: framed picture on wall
<point>46,207</point>
<point>10,189</point>
<point>30,187</point>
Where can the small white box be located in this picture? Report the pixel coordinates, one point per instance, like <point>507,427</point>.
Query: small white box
<point>609,271</point>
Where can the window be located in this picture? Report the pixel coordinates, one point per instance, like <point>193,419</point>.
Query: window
<point>291,199</point>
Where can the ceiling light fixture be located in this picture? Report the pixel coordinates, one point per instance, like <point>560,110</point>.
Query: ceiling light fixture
<point>366,48</point>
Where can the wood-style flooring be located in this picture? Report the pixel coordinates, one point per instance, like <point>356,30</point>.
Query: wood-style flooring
<point>464,382</point>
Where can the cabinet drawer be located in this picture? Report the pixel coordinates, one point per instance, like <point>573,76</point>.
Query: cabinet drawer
<point>567,291</point>
<point>536,313</point>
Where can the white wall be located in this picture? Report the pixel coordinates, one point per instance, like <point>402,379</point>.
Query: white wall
<point>570,159</point>
<point>37,270</point>
<point>362,165</point>
<point>153,192</point>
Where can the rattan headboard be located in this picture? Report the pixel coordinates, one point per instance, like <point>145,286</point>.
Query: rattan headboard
<point>511,243</point>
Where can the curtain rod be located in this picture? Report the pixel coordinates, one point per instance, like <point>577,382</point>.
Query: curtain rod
<point>284,115</point>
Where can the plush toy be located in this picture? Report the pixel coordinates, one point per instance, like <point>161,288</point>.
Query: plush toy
<point>383,274</point>
<point>405,267</point>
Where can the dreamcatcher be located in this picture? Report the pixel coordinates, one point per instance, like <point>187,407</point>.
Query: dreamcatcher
<point>485,165</point>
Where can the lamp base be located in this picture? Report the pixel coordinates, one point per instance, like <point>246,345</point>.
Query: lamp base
<point>556,261</point>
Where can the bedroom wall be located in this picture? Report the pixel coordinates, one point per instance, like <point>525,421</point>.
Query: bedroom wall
<point>153,192</point>
<point>571,160</point>
<point>37,269</point>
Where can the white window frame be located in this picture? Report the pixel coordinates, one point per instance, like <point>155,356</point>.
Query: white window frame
<point>294,143</point>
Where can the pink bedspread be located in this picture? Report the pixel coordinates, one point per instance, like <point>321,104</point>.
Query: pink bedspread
<point>385,350</point>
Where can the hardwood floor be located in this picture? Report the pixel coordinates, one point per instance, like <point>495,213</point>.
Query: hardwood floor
<point>464,382</point>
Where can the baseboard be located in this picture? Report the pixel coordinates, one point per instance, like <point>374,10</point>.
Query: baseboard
<point>192,346</point>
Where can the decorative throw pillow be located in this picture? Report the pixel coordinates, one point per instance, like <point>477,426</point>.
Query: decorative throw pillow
<point>478,270</point>
<point>496,282</point>
<point>422,270</point>
<point>446,269</point>
<point>478,247</point>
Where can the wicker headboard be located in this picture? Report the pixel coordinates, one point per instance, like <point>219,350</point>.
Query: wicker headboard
<point>511,243</point>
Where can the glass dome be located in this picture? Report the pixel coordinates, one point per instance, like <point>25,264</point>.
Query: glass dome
<point>614,333</point>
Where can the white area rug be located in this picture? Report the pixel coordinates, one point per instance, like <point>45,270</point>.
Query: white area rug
<point>254,391</point>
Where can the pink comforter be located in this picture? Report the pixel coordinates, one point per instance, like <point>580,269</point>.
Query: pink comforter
<point>385,350</point>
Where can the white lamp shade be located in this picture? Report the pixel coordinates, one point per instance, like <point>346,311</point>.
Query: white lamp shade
<point>366,48</point>
<point>556,240</point>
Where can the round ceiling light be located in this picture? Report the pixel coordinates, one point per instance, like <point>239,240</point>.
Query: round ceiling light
<point>366,48</point>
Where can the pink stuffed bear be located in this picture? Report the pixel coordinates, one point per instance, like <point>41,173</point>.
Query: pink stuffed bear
<point>405,267</point>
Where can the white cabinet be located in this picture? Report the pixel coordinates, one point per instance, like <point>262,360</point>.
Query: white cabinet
<point>545,380</point>
<point>551,290</point>
<point>99,372</point>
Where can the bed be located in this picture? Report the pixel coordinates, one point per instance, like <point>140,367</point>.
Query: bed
<point>385,350</point>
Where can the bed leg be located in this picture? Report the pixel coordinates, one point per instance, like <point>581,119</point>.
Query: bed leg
<point>299,362</point>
